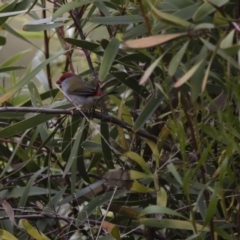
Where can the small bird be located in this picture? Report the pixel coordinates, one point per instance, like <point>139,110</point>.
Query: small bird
<point>78,92</point>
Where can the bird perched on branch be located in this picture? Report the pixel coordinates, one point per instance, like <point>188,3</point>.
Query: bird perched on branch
<point>79,92</point>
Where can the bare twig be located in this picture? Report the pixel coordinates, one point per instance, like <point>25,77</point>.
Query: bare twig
<point>77,23</point>
<point>148,26</point>
<point>95,114</point>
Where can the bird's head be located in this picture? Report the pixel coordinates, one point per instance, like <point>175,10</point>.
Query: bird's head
<point>64,77</point>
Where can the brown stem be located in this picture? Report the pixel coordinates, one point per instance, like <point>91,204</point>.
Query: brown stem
<point>77,23</point>
<point>202,169</point>
<point>145,16</point>
<point>97,115</point>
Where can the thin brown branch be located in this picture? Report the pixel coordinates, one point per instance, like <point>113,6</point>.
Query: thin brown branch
<point>148,26</point>
<point>74,15</point>
<point>96,115</point>
<point>202,169</point>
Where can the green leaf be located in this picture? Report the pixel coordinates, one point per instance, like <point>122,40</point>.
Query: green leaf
<point>16,34</point>
<point>95,203</point>
<point>10,7</point>
<point>159,210</point>
<point>18,192</point>
<point>139,160</point>
<point>118,20</point>
<point>220,52</point>
<point>41,27</point>
<point>74,152</point>
<point>25,124</point>
<point>172,169</point>
<point>29,77</point>
<point>136,31</point>
<point>212,207</point>
<point>6,168</point>
<point>82,192</point>
<point>93,47</point>
<point>172,224</point>
<point>27,188</point>
<point>132,83</point>
<point>207,8</point>
<point>108,58</point>
<point>6,235</point>
<point>106,148</point>
<point>82,168</point>
<point>148,110</point>
<point>149,70</point>
<point>174,63</point>
<point>14,58</point>
<point>188,74</point>
<point>12,68</point>
<point>70,6</point>
<point>169,18</point>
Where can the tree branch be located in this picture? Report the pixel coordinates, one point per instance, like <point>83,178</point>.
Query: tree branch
<point>97,115</point>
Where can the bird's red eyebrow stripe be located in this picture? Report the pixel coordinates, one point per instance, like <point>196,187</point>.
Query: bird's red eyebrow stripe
<point>65,75</point>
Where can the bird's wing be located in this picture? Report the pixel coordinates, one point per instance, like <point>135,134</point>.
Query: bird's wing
<point>76,87</point>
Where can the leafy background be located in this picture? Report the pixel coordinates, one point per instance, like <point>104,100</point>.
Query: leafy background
<point>157,160</point>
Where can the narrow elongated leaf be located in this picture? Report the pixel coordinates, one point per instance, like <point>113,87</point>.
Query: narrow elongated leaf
<point>152,40</point>
<point>148,110</point>
<point>171,223</point>
<point>106,148</point>
<point>9,210</point>
<point>97,202</point>
<point>169,17</point>
<point>173,65</point>
<point>74,152</point>
<point>70,6</point>
<point>206,8</point>
<point>228,40</point>
<point>18,35</point>
<point>27,188</point>
<point>212,207</point>
<point>12,68</point>
<point>139,160</point>
<point>220,52</point>
<point>25,124</point>
<point>189,74</point>
<point>149,70</point>
<point>82,192</point>
<point>26,79</point>
<point>174,172</point>
<point>10,7</point>
<point>5,235</point>
<point>160,210</point>
<point>41,27</point>
<point>119,20</point>
<point>9,62</point>
<point>108,58</point>
<point>131,82</point>
<point>82,169</point>
<point>18,192</point>
<point>93,47</point>
<point>33,232</point>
